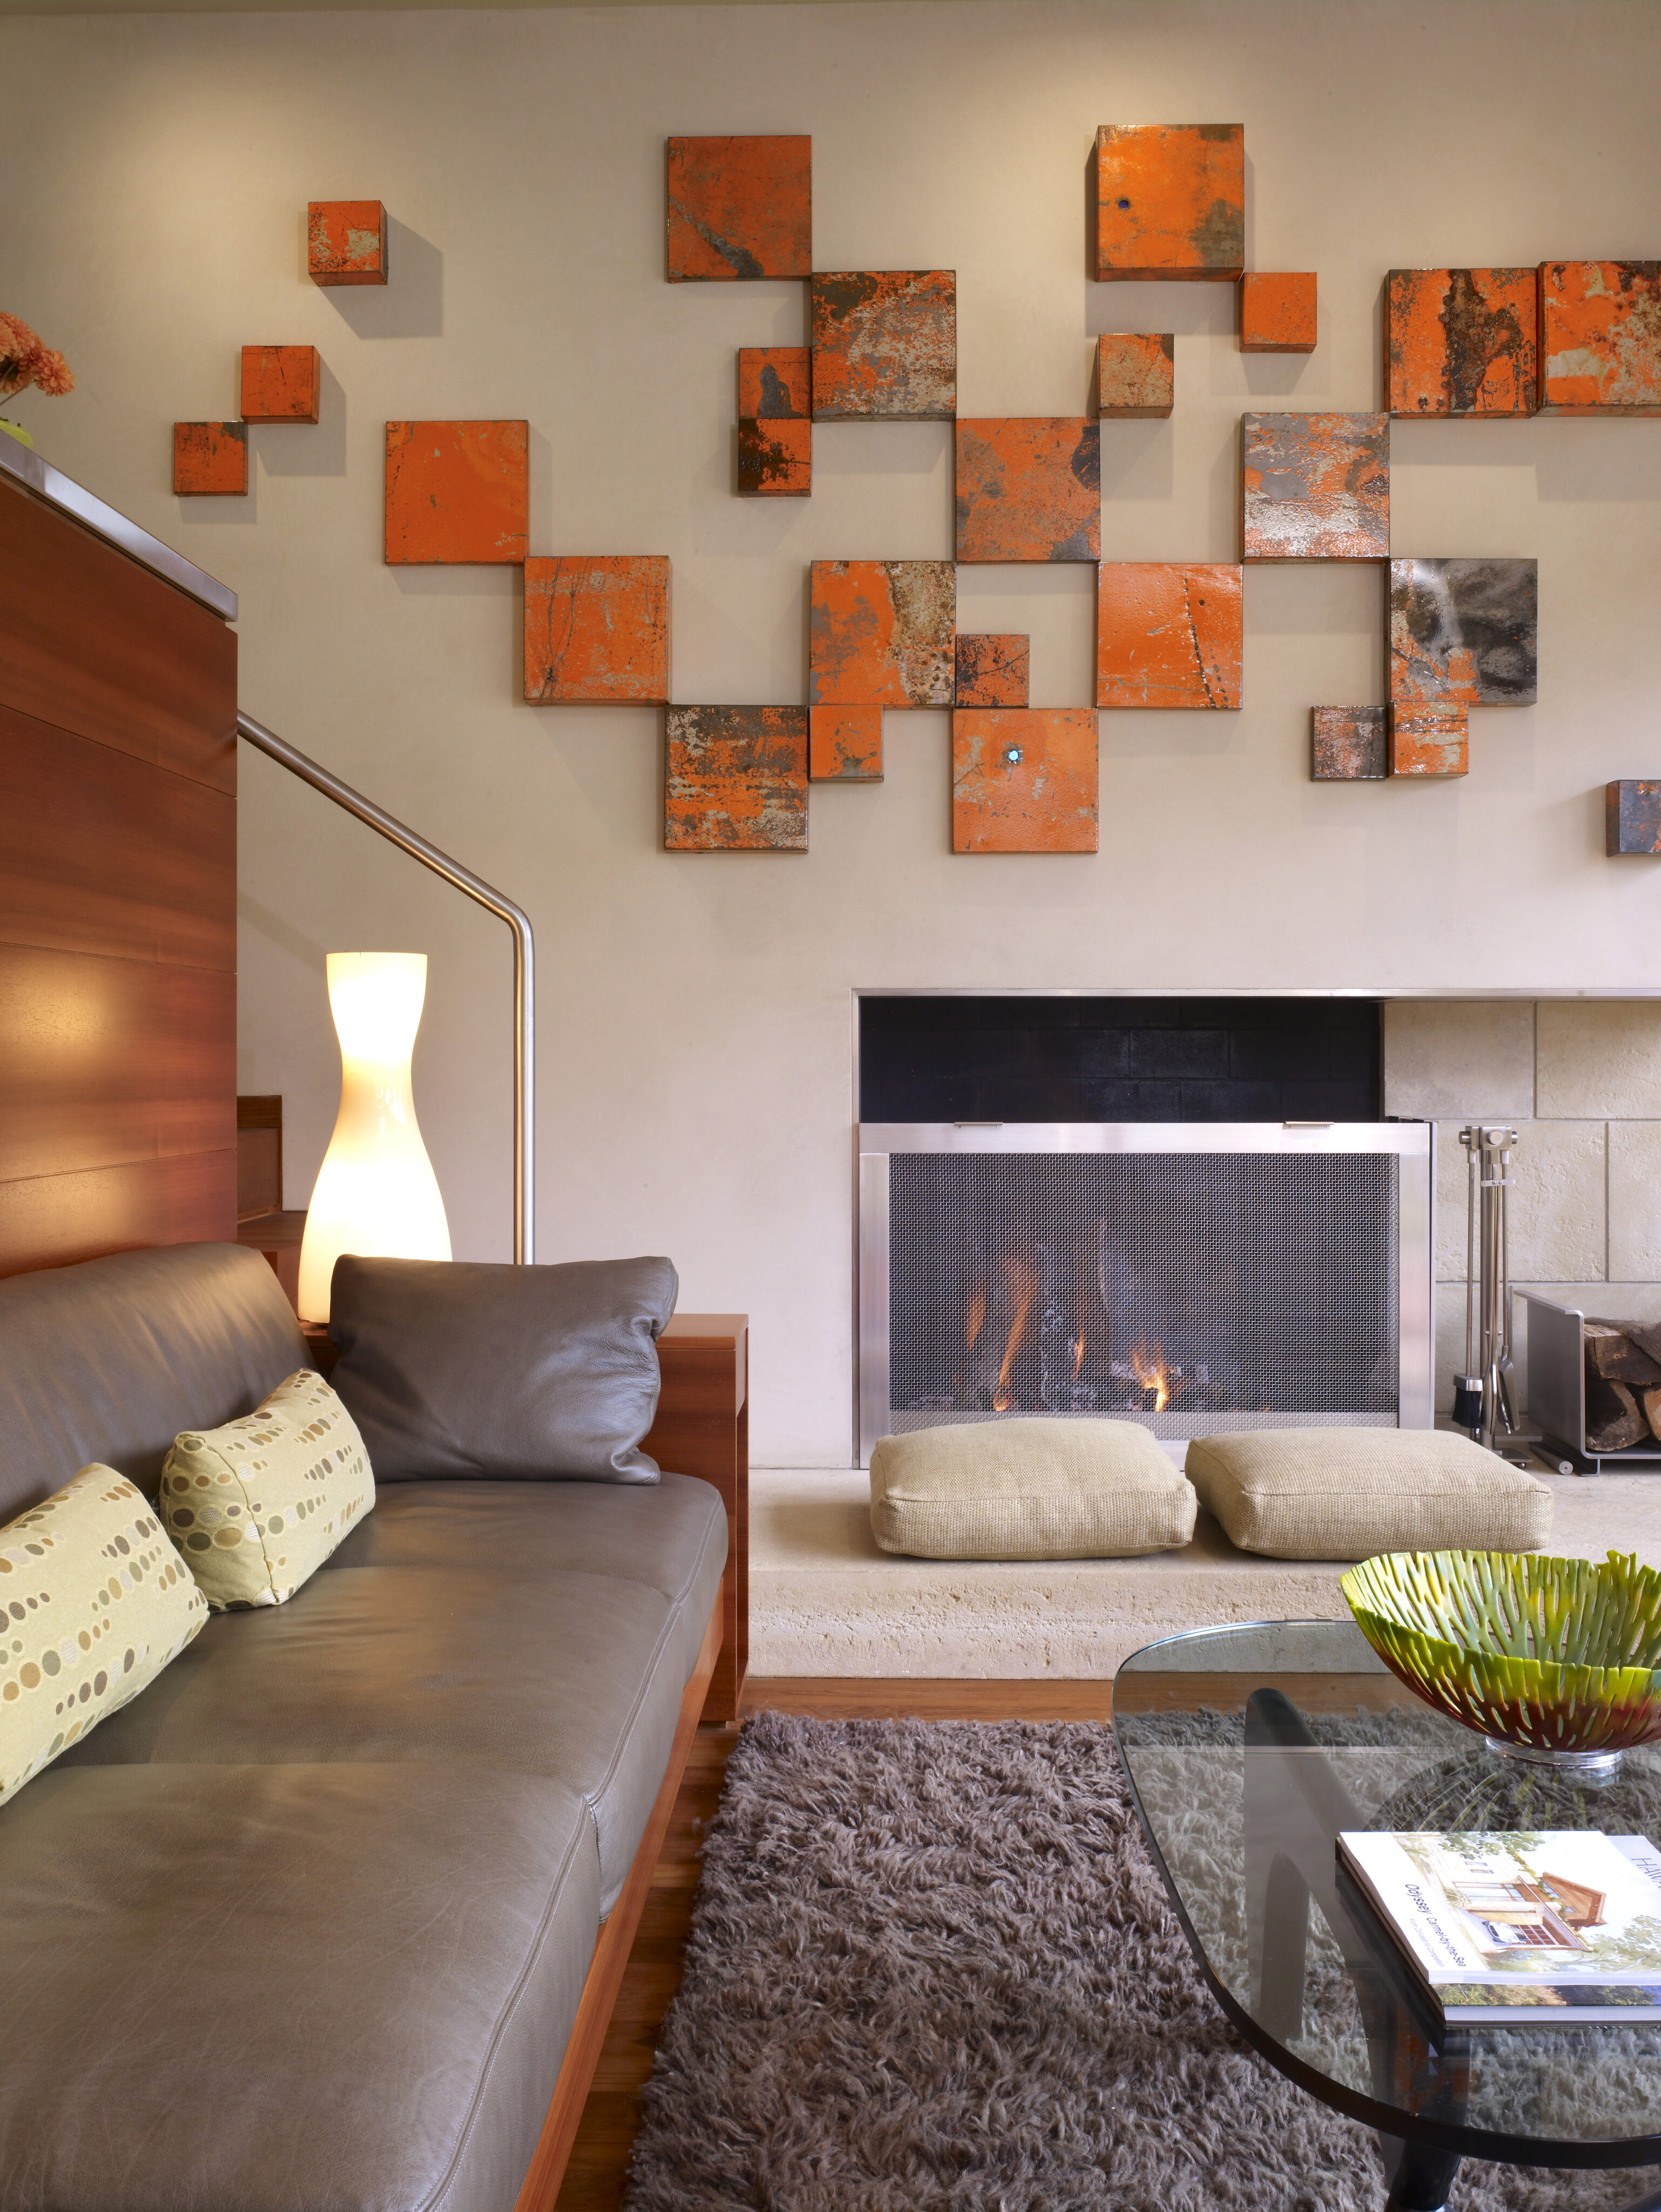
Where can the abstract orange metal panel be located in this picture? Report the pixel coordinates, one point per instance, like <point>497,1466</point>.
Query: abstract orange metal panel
<point>1277,312</point>
<point>346,242</point>
<point>1632,815</point>
<point>1429,739</point>
<point>1465,629</point>
<point>775,384</point>
<point>1028,488</point>
<point>740,208</point>
<point>882,633</point>
<point>884,345</point>
<point>1024,779</point>
<point>1460,342</point>
<point>1315,487</point>
<point>210,460</point>
<point>1168,635</point>
<point>994,670</point>
<point>281,383</point>
<point>1348,744</point>
<point>1170,200</point>
<point>736,780</point>
<point>845,744</point>
<point>597,630</point>
<point>1600,337</point>
<point>1134,375</point>
<point>775,459</point>
<point>457,493</point>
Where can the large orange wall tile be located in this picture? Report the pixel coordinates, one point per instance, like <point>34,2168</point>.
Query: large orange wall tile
<point>210,460</point>
<point>1024,779</point>
<point>1134,375</point>
<point>1600,337</point>
<point>1028,488</point>
<point>1348,744</point>
<point>1632,816</point>
<point>775,459</point>
<point>456,492</point>
<point>845,744</point>
<point>882,633</point>
<point>1170,200</point>
<point>1168,635</point>
<point>1277,312</point>
<point>281,383</point>
<point>597,630</point>
<point>1429,740</point>
<point>1465,629</point>
<point>735,780</point>
<point>740,208</point>
<point>1460,342</point>
<point>994,670</point>
<point>1315,487</point>
<point>346,242</point>
<point>775,384</point>
<point>884,345</point>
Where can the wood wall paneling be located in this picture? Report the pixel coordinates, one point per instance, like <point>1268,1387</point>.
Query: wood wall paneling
<point>49,1221</point>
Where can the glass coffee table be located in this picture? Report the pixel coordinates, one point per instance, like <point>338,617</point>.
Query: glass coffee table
<point>1248,1750</point>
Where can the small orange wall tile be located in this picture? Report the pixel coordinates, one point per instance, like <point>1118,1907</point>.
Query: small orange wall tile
<point>740,208</point>
<point>1600,337</point>
<point>775,459</point>
<point>736,780</point>
<point>845,744</point>
<point>210,460</point>
<point>1170,200</point>
<point>1429,740</point>
<point>281,383</point>
<point>884,345</point>
<point>775,384</point>
<point>1277,312</point>
<point>1134,375</point>
<point>1028,488</point>
<point>1168,635</point>
<point>994,670</point>
<point>1024,779</point>
<point>1632,816</point>
<point>1348,744</point>
<point>597,630</point>
<point>457,493</point>
<point>1460,342</point>
<point>346,242</point>
<point>1315,487</point>
<point>882,633</point>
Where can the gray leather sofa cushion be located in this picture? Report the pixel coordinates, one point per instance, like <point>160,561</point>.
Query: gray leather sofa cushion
<point>109,1359</point>
<point>672,1536</point>
<point>573,1678</point>
<point>457,1368</point>
<point>258,1988</point>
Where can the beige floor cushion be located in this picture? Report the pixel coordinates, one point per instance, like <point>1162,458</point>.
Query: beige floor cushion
<point>1028,1489</point>
<point>1346,1493</point>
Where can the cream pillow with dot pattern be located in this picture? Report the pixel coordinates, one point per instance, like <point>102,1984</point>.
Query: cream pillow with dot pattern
<point>257,1506</point>
<point>94,1602</point>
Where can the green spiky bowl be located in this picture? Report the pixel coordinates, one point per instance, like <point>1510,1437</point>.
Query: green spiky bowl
<point>1552,1659</point>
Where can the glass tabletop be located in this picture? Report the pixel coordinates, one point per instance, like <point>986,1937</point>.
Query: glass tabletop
<point>1249,1749</point>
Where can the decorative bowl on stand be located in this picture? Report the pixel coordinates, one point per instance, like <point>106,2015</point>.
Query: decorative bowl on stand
<point>1554,1661</point>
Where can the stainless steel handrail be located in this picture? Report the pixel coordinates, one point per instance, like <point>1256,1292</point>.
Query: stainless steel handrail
<point>474,887</point>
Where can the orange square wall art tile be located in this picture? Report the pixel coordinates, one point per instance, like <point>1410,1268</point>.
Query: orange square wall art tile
<point>1169,201</point>
<point>1028,488</point>
<point>735,780</point>
<point>994,670</point>
<point>346,242</point>
<point>775,459</point>
<point>1277,312</point>
<point>281,383</point>
<point>1465,629</point>
<point>1600,337</point>
<point>739,209</point>
<point>1134,375</point>
<point>775,384</point>
<point>845,744</point>
<point>1460,342</point>
<point>884,345</point>
<point>1024,779</point>
<point>1429,740</point>
<point>210,460</point>
<point>1348,744</point>
<point>1168,635</point>
<point>882,633</point>
<point>1632,816</point>
<point>457,493</point>
<point>1315,487</point>
<point>597,630</point>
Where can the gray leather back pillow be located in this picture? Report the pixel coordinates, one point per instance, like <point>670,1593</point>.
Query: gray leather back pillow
<point>459,1368</point>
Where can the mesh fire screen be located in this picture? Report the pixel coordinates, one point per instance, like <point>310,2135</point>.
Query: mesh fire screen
<point>1194,1292</point>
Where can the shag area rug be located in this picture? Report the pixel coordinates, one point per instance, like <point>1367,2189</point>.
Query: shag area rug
<point>932,1964</point>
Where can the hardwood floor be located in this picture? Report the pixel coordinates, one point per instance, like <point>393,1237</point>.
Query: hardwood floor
<point>599,2164</point>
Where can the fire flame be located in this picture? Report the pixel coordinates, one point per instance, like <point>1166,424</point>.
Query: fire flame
<point>1023,1280</point>
<point>975,1317</point>
<point>1149,1365</point>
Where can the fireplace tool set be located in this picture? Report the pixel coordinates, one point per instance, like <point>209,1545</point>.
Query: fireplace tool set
<point>1481,1394</point>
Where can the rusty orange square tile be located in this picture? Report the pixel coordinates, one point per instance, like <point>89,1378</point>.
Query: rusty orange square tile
<point>281,383</point>
<point>1170,200</point>
<point>210,460</point>
<point>1632,816</point>
<point>1315,487</point>
<point>994,670</point>
<point>1136,375</point>
<point>775,384</point>
<point>597,630</point>
<point>1600,337</point>
<point>884,345</point>
<point>1168,635</point>
<point>1024,779</point>
<point>457,493</point>
<point>1028,488</point>
<point>845,744</point>
<point>882,633</point>
<point>735,780</point>
<point>1465,629</point>
<point>775,459</point>
<point>1460,342</point>
<point>1427,739</point>
<point>346,242</point>
<point>1348,744</point>
<point>740,208</point>
<point>1277,312</point>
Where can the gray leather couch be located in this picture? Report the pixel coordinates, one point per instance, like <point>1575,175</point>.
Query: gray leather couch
<point>304,1928</point>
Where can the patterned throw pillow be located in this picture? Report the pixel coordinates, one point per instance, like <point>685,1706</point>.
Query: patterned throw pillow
<point>256,1507</point>
<point>94,1603</point>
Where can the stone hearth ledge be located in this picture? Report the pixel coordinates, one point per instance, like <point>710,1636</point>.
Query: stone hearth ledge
<point>823,1600</point>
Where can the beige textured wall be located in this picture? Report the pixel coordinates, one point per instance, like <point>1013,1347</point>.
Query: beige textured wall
<point>696,1011</point>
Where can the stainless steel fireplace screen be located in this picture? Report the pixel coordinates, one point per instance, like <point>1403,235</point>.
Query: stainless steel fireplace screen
<point>1195,1276</point>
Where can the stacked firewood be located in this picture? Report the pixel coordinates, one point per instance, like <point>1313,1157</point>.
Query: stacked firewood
<point>1623,1384</point>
